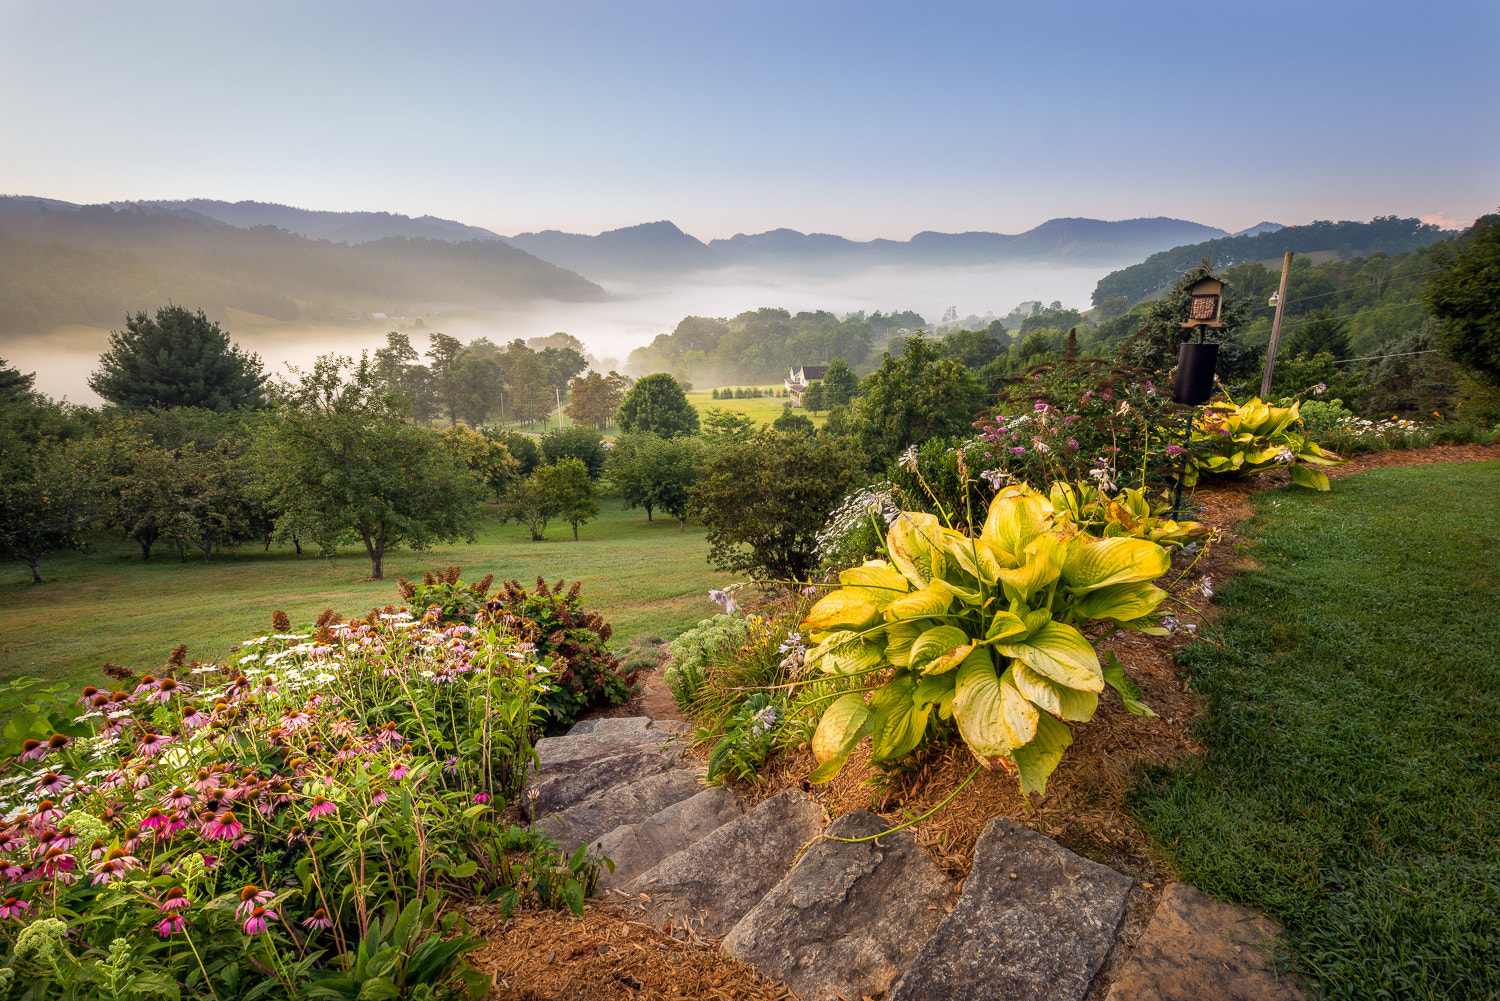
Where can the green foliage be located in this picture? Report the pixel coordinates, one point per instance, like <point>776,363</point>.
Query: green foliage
<point>982,631</point>
<point>813,398</point>
<point>913,398</point>
<point>972,348</point>
<point>552,623</point>
<point>14,386</point>
<point>1236,442</point>
<point>750,738</point>
<point>177,359</point>
<point>657,404</point>
<point>760,346</point>
<point>1464,297</point>
<point>765,500</point>
<point>839,384</point>
<point>577,441</point>
<point>724,427</point>
<point>568,491</point>
<point>791,422</point>
<point>692,651</point>
<point>653,472</point>
<point>408,953</point>
<point>855,530</point>
<point>487,457</point>
<point>341,459</point>
<point>47,501</point>
<point>1154,346</point>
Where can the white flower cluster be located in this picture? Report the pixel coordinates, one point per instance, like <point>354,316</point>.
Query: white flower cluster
<point>845,524</point>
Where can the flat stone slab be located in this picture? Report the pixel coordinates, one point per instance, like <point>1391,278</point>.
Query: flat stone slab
<point>590,819</point>
<point>719,878</point>
<point>1035,922</point>
<point>637,848</point>
<point>1196,947</point>
<point>615,724</point>
<point>575,747</point>
<point>850,917</point>
<point>561,786</point>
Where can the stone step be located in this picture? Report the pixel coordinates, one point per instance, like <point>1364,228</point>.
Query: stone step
<point>1196,947</point>
<point>1035,922</point>
<point>850,917</point>
<point>590,819</point>
<point>637,848</point>
<point>721,877</point>
<point>602,754</point>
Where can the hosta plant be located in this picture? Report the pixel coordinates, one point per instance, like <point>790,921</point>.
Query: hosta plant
<point>1127,513</point>
<point>980,631</point>
<point>1239,441</point>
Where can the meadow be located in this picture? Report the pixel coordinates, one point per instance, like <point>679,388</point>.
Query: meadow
<point>109,605</point>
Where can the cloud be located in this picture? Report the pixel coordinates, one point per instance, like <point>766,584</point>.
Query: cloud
<point>1444,221</point>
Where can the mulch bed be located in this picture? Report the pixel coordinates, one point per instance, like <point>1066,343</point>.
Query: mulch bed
<point>608,954</point>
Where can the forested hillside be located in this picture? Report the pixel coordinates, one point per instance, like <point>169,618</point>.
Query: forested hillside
<point>62,264</point>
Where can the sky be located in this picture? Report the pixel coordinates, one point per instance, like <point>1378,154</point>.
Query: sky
<point>865,119</point>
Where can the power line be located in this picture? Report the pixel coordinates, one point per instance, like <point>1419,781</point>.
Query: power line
<point>1403,354</point>
<point>1352,288</point>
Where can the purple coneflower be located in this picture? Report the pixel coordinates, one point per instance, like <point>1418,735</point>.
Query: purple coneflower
<point>389,735</point>
<point>10,872</point>
<point>256,922</point>
<point>58,864</point>
<point>321,808</point>
<point>170,925</point>
<point>142,778</point>
<point>178,799</point>
<point>165,689</point>
<point>155,820</point>
<point>252,897</point>
<point>400,772</point>
<point>223,828</point>
<point>46,813</point>
<point>10,840</point>
<point>318,921</point>
<point>481,797</point>
<point>151,744</point>
<point>33,750</point>
<point>11,907</point>
<point>192,718</point>
<point>379,796</point>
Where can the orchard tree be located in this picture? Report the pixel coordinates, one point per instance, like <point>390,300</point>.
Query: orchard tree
<point>342,461</point>
<point>487,458</point>
<point>177,359</point>
<point>726,427</point>
<point>569,491</point>
<point>813,398</point>
<point>839,384</point>
<point>913,398</point>
<point>765,501</point>
<point>46,503</point>
<point>593,399</point>
<point>576,442</point>
<point>650,471</point>
<point>657,404</point>
<point>1464,297</point>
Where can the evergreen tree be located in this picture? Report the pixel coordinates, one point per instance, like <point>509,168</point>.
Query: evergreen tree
<point>839,384</point>
<point>177,359</point>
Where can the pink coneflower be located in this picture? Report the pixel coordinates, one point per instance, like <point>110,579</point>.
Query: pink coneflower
<point>170,925</point>
<point>88,695</point>
<point>388,735</point>
<point>178,799</point>
<point>108,870</point>
<point>256,922</point>
<point>151,744</point>
<point>142,778</point>
<point>321,808</point>
<point>155,820</point>
<point>131,840</point>
<point>296,834</point>
<point>252,897</point>
<point>46,813</point>
<point>165,689</point>
<point>481,797</point>
<point>192,718</point>
<point>52,783</point>
<point>342,727</point>
<point>175,900</point>
<point>175,823</point>
<point>10,872</point>
<point>205,780</point>
<point>64,837</point>
<point>400,772</point>
<point>115,725</point>
<point>224,828</point>
<point>12,907</point>
<point>117,777</point>
<point>58,864</point>
<point>296,721</point>
<point>268,685</point>
<point>319,921</point>
<point>148,685</point>
<point>33,750</point>
<point>10,840</point>
<point>378,796</point>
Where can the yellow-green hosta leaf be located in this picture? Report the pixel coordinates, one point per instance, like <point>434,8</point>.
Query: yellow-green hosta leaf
<point>1005,625</point>
<point>977,708</point>
<point>1121,602</point>
<point>877,581</point>
<point>900,722</point>
<point>1129,694</point>
<point>1037,760</point>
<point>1061,653</point>
<point>1021,583</point>
<point>1016,712</point>
<point>899,637</point>
<point>1059,700</point>
<point>927,602</point>
<point>1094,563</point>
<point>1310,478</point>
<point>845,652</point>
<point>1015,518</point>
<point>975,559</point>
<point>909,541</point>
<point>935,642</point>
<point>842,609</point>
<point>937,690</point>
<point>948,661</point>
<point>844,724</point>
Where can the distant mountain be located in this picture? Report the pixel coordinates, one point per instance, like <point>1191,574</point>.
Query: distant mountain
<point>1258,228</point>
<point>1387,234</point>
<point>338,227</point>
<point>66,264</point>
<point>650,248</point>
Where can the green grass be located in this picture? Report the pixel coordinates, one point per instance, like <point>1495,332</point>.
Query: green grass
<point>764,409</point>
<point>110,606</point>
<point>1351,785</point>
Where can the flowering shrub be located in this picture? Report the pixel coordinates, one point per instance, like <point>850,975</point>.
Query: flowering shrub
<point>749,740</point>
<point>981,630</point>
<point>855,528</point>
<point>1239,441</point>
<point>283,824</point>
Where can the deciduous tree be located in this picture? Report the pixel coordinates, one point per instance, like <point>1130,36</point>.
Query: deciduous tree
<point>839,384</point>
<point>569,491</point>
<point>657,404</point>
<point>1464,296</point>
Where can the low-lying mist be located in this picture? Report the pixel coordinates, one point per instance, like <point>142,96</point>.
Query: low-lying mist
<point>636,313</point>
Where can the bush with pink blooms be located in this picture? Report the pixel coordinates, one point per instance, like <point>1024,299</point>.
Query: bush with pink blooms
<point>288,823</point>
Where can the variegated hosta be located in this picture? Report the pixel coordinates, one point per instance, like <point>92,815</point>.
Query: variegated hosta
<point>1253,437</point>
<point>980,631</point>
<point>1127,513</point>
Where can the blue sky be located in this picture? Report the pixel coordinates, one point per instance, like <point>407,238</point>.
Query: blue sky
<point>866,119</point>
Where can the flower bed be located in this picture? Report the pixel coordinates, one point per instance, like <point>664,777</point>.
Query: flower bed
<point>287,823</point>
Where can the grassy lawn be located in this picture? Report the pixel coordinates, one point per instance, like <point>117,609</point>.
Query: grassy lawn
<point>1351,786</point>
<point>764,409</point>
<point>111,606</point>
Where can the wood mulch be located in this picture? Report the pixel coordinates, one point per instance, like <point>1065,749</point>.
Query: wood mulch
<point>608,954</point>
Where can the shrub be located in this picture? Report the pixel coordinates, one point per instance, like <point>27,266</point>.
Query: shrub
<point>691,651</point>
<point>1235,442</point>
<point>854,530</point>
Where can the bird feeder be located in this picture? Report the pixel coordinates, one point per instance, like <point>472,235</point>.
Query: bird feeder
<point>1194,382</point>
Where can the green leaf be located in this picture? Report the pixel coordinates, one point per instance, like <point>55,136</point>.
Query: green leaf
<point>1059,700</point>
<point>464,869</point>
<point>899,722</point>
<point>1061,653</point>
<point>844,724</point>
<point>1313,479</point>
<point>1037,760</point>
<point>935,642</point>
<point>1017,712</point>
<point>572,894</point>
<point>1096,563</point>
<point>1114,675</point>
<point>843,609</point>
<point>1005,625</point>
<point>977,708</point>
<point>929,602</point>
<point>1121,602</point>
<point>937,690</point>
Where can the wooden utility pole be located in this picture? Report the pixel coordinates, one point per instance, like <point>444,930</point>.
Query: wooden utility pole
<point>1265,379</point>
